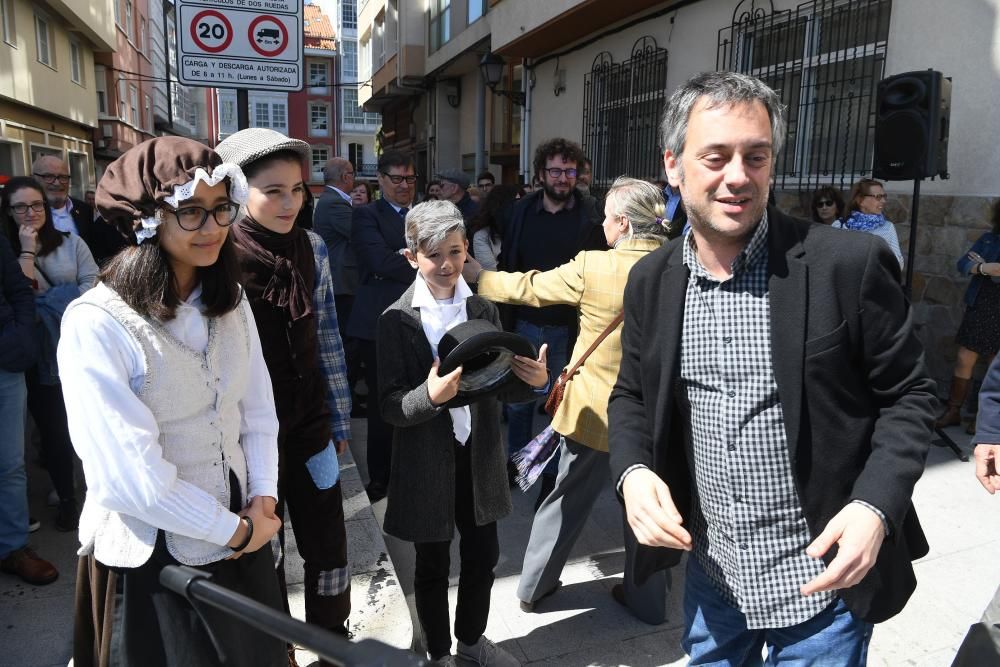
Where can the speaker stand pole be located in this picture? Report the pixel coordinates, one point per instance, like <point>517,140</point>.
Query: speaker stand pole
<point>911,252</point>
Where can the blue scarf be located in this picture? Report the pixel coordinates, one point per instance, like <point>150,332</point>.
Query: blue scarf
<point>864,222</point>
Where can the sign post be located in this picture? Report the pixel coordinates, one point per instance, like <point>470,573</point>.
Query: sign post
<point>242,44</point>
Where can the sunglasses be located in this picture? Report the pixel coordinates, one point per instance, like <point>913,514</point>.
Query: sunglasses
<point>824,202</point>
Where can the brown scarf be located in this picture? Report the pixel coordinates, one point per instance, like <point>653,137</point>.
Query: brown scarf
<point>278,255</point>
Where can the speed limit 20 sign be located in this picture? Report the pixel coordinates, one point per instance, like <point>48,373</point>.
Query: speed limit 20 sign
<point>240,44</point>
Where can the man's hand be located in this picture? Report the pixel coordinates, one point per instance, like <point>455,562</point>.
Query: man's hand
<point>471,269</point>
<point>651,511</point>
<point>858,533</point>
<point>341,446</point>
<point>532,372</point>
<point>988,466</point>
<point>442,389</point>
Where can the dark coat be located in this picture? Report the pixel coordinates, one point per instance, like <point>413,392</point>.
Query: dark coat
<point>421,505</point>
<point>855,394</point>
<point>18,347</point>
<point>103,240</point>
<point>332,220</point>
<point>590,236</point>
<point>384,274</point>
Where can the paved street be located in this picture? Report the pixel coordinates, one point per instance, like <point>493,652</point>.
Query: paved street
<point>580,625</point>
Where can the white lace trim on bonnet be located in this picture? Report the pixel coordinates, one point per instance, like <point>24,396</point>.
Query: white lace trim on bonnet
<point>239,192</point>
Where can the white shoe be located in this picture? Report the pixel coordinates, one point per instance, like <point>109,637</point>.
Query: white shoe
<point>484,652</point>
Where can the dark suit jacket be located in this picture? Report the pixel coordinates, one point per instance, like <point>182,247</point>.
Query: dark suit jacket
<point>377,237</point>
<point>857,401</point>
<point>332,220</point>
<point>589,236</point>
<point>103,240</point>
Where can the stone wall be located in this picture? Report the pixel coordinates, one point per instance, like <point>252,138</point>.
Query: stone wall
<point>946,229</point>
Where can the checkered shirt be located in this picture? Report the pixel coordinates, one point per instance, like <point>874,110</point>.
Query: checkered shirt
<point>331,348</point>
<point>750,534</point>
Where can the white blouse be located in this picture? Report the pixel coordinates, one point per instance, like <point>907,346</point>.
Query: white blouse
<point>101,369</point>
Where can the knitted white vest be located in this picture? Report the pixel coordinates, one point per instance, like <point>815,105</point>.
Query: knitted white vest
<point>195,400</point>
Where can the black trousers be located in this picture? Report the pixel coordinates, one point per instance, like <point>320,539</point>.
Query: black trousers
<point>479,551</point>
<point>352,354</point>
<point>45,403</point>
<point>379,447</point>
<point>318,523</point>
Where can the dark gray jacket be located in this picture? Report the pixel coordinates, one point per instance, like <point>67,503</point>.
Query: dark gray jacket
<point>421,503</point>
<point>332,220</point>
<point>18,349</point>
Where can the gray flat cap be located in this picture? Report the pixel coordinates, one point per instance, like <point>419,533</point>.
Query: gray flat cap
<point>253,143</point>
<point>456,176</point>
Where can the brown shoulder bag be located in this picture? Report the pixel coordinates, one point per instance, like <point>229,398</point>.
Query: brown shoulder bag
<point>555,397</point>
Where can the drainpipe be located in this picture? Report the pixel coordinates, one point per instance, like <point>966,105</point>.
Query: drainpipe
<point>526,122</point>
<point>480,125</point>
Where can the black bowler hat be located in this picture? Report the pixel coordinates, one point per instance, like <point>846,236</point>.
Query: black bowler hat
<point>485,354</point>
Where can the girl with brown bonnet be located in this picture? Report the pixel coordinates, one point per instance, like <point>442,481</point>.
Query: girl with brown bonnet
<point>171,410</point>
<point>286,274</point>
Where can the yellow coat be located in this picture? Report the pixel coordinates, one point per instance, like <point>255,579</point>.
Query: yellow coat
<point>594,282</point>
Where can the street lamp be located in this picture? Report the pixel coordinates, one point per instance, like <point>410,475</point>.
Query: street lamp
<point>491,67</point>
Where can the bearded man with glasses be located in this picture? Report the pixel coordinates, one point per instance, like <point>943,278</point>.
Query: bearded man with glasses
<point>378,240</point>
<point>543,230</point>
<point>75,216</point>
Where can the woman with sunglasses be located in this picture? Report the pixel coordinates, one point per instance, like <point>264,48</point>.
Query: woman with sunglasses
<point>865,215</point>
<point>827,205</point>
<point>60,268</point>
<point>979,333</point>
<point>181,457</point>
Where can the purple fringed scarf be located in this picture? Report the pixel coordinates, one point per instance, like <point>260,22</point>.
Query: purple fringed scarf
<point>531,459</point>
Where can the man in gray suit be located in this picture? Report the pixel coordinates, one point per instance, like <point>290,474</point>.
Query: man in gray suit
<point>332,221</point>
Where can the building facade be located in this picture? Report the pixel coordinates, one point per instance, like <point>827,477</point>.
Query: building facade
<point>48,90</point>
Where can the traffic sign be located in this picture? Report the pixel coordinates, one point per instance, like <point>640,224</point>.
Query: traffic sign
<point>240,44</point>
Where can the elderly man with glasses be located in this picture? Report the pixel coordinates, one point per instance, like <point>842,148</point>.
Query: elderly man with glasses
<point>75,216</point>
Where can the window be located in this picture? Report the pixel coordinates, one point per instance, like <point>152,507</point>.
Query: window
<point>43,41</point>
<point>227,113</point>
<point>133,96</point>
<point>10,159</point>
<point>142,35</point>
<point>320,154</point>
<point>621,113</point>
<point>319,119</point>
<point>349,60</point>
<point>7,29</point>
<point>349,14</point>
<point>356,156</point>
<point>318,74</point>
<point>476,10</point>
<point>75,62</point>
<point>825,61</point>
<point>79,174</point>
<point>129,24</point>
<point>147,123</point>
<point>440,23</point>
<point>122,101</point>
<point>271,114</point>
<point>352,112</point>
<point>101,86</point>
<point>118,12</point>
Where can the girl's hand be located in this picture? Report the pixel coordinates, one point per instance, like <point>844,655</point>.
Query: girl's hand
<point>534,372</point>
<point>442,389</point>
<point>28,236</point>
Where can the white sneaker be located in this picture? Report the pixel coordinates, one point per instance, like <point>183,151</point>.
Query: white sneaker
<point>484,652</point>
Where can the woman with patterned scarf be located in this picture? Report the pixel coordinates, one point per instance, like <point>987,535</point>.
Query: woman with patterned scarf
<point>865,215</point>
<point>286,274</point>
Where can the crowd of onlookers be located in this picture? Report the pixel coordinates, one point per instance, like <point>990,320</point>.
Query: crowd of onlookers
<point>201,330</point>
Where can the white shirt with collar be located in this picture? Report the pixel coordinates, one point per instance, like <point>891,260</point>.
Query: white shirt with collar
<point>62,218</point>
<point>437,317</point>
<point>343,194</point>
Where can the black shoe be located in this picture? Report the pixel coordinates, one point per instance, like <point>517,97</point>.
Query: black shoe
<point>376,491</point>
<point>618,593</point>
<point>67,516</point>
<point>529,607</point>
<point>33,524</point>
<point>548,483</point>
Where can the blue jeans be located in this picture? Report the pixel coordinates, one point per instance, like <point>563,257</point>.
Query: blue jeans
<point>13,481</point>
<point>520,416</point>
<point>717,634</point>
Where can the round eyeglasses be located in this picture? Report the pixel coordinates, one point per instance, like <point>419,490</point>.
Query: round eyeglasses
<point>21,209</point>
<point>193,218</point>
